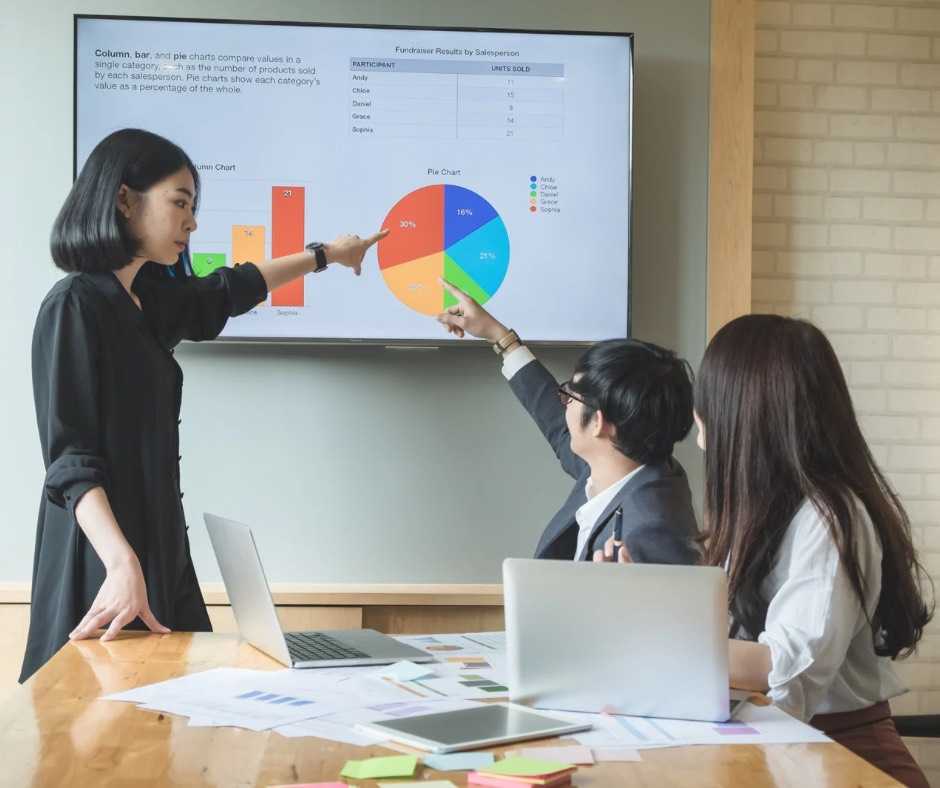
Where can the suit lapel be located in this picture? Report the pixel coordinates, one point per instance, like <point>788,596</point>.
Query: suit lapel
<point>563,520</point>
<point>605,517</point>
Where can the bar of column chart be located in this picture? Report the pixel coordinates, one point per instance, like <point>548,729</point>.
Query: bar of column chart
<point>287,237</point>
<point>204,263</point>
<point>248,245</point>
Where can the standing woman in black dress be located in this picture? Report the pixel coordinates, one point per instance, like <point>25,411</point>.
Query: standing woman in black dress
<point>111,544</point>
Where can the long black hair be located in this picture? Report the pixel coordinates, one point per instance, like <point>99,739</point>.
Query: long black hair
<point>90,233</point>
<point>780,428</point>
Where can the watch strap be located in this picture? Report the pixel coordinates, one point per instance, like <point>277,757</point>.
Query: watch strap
<point>319,254</point>
<point>506,341</point>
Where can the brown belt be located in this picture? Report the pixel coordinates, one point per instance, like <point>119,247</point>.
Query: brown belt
<point>841,721</point>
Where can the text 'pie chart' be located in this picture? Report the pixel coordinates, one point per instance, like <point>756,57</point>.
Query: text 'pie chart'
<point>443,232</point>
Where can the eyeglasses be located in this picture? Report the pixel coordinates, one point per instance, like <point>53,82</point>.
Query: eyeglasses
<point>565,395</point>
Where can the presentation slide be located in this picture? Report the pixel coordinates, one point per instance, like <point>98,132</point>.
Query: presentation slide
<point>498,161</point>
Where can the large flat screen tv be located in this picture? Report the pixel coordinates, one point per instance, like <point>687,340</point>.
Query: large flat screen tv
<point>500,161</point>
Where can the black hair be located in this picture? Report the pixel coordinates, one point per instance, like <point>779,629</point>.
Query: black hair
<point>90,234</point>
<point>780,429</point>
<point>644,390</point>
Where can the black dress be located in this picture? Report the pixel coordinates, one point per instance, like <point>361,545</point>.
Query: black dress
<point>107,391</point>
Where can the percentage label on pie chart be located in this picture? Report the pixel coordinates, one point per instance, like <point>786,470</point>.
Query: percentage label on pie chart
<point>443,232</point>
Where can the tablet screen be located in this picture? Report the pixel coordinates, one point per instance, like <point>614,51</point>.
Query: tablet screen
<point>470,725</point>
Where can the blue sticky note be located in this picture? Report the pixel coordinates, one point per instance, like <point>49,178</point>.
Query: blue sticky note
<point>459,761</point>
<point>407,671</point>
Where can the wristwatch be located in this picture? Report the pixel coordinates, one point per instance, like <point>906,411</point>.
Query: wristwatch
<point>505,342</point>
<point>319,253</point>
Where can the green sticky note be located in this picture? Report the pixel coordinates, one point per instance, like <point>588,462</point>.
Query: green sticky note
<point>525,767</point>
<point>374,768</point>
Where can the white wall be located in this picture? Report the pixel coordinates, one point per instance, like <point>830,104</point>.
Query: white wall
<point>364,465</point>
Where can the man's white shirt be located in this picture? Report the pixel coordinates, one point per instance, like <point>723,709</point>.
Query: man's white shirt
<point>515,360</point>
<point>591,510</point>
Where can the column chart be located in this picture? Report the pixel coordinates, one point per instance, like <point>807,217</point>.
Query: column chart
<point>246,220</point>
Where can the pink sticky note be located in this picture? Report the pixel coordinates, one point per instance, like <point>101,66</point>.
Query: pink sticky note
<point>311,785</point>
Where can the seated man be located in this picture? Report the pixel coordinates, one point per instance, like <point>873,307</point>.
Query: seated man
<point>612,427</point>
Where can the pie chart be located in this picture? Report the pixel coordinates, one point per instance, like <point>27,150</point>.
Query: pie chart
<point>445,232</point>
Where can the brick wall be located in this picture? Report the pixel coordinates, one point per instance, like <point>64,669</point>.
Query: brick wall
<point>847,234</point>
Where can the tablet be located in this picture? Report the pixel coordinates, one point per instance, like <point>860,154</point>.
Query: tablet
<point>468,729</point>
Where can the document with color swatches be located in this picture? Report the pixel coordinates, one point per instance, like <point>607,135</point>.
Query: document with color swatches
<point>751,725</point>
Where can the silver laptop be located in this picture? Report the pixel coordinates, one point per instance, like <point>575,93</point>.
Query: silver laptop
<point>648,640</point>
<point>250,596</point>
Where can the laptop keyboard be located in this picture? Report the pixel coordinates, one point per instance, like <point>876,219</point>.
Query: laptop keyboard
<point>312,646</point>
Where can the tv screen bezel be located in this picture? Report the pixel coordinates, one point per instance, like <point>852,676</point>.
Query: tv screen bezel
<point>445,341</point>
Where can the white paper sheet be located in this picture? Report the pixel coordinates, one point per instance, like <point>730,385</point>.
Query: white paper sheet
<point>752,725</point>
<point>464,669</point>
<point>571,753</point>
<point>328,702</point>
<point>253,699</point>
<point>471,643</point>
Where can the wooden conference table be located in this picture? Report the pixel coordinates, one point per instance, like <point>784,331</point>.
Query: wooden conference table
<point>54,731</point>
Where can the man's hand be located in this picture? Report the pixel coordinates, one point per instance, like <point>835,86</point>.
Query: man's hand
<point>610,548</point>
<point>468,317</point>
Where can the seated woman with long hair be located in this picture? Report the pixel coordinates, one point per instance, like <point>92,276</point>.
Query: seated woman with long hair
<point>824,582</point>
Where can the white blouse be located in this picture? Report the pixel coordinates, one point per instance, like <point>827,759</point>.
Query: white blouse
<point>820,641</point>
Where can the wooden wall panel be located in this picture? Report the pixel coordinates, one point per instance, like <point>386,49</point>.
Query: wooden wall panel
<point>416,620</point>
<point>295,618</point>
<point>730,160</point>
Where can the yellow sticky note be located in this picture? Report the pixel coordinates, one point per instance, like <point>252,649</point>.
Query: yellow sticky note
<point>374,768</point>
<point>525,767</point>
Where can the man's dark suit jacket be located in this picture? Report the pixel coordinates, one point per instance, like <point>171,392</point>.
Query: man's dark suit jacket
<point>659,524</point>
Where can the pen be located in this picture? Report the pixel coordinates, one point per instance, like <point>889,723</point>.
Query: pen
<point>618,529</point>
